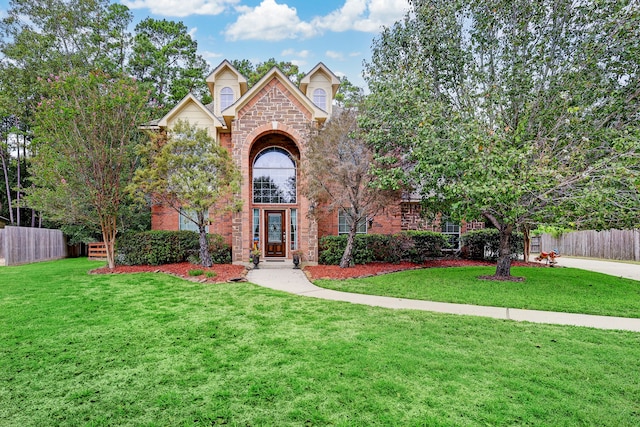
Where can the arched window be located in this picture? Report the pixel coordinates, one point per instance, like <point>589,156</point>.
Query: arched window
<point>226,97</point>
<point>320,98</point>
<point>274,177</point>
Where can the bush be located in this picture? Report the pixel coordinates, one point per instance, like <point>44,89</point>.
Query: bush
<point>412,246</point>
<point>485,244</point>
<point>426,244</point>
<point>167,247</point>
<point>196,272</point>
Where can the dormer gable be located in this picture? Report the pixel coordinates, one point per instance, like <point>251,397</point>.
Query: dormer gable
<point>226,85</point>
<point>232,112</point>
<point>320,85</point>
<point>195,112</point>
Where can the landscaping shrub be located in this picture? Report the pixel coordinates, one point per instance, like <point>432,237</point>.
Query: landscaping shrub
<point>413,246</point>
<point>485,244</point>
<point>426,244</point>
<point>166,247</point>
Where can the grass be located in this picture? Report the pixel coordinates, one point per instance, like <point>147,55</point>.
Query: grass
<point>155,350</point>
<point>551,289</point>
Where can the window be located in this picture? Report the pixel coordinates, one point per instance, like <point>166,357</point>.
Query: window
<point>294,229</point>
<point>452,231</point>
<point>256,229</point>
<point>186,223</point>
<point>226,97</point>
<point>274,177</point>
<point>320,98</point>
<point>344,223</point>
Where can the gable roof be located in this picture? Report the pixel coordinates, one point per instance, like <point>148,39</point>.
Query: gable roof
<point>189,98</point>
<point>320,68</point>
<point>231,112</point>
<point>226,65</point>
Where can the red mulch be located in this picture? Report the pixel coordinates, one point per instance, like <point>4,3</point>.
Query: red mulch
<point>223,272</point>
<point>373,269</point>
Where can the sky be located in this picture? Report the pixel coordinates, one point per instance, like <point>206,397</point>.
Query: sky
<point>338,33</point>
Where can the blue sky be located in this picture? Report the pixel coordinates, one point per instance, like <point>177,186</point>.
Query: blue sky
<point>336,32</point>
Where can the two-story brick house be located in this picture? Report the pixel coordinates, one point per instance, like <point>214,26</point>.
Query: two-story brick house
<point>265,128</point>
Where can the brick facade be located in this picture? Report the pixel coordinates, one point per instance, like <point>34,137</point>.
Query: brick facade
<point>274,113</point>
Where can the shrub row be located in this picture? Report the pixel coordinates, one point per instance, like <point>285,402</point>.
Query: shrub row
<point>485,244</point>
<point>167,247</point>
<point>415,246</point>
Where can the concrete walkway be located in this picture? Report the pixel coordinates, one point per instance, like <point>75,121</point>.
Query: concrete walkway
<point>283,277</point>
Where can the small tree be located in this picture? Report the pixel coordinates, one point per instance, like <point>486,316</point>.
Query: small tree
<point>83,150</point>
<point>338,175</point>
<point>190,173</point>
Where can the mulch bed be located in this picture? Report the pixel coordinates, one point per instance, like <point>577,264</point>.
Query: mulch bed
<point>223,272</point>
<point>235,273</point>
<point>374,269</point>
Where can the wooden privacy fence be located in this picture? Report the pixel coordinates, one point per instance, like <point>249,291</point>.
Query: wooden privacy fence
<point>22,245</point>
<point>97,251</point>
<point>609,244</point>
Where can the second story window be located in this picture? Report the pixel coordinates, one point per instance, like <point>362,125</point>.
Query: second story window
<point>226,98</point>
<point>320,98</point>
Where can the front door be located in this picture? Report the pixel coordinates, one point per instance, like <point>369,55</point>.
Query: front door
<point>275,234</point>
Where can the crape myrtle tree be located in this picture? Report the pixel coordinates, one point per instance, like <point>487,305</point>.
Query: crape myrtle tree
<point>519,112</point>
<point>192,174</point>
<point>84,149</point>
<point>337,175</point>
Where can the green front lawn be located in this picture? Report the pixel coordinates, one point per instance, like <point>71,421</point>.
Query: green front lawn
<point>154,350</point>
<point>551,289</point>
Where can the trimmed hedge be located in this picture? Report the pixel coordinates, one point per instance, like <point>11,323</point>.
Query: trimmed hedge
<point>485,244</point>
<point>167,247</point>
<point>415,246</point>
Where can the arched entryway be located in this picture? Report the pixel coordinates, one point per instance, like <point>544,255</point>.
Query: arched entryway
<point>275,208</point>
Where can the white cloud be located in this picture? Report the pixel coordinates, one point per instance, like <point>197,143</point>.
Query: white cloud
<point>211,55</point>
<point>334,55</point>
<point>272,21</point>
<point>268,21</point>
<point>192,32</point>
<point>181,8</point>
<point>363,15</point>
<point>291,52</point>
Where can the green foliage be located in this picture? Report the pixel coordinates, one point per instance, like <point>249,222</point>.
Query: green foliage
<point>426,244</point>
<point>156,247</point>
<point>165,57</point>
<point>516,111</point>
<point>189,173</point>
<point>414,246</point>
<point>85,134</point>
<point>196,272</point>
<point>167,247</point>
<point>254,73</point>
<point>485,244</point>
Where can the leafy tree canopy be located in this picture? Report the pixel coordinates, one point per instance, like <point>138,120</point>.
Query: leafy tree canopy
<point>516,111</point>
<point>190,173</point>
<point>165,56</point>
<point>86,131</point>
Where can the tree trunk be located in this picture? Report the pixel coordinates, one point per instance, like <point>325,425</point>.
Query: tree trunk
<point>527,241</point>
<point>205,255</point>
<point>5,170</point>
<point>109,231</point>
<point>347,256</point>
<point>503,268</point>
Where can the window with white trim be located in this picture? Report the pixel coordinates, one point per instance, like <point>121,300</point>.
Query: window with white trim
<point>226,97</point>
<point>344,224</point>
<point>452,231</point>
<point>274,177</point>
<point>188,224</point>
<point>320,98</point>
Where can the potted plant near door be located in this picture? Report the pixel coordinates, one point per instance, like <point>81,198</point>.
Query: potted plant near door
<point>255,257</point>
<point>297,257</point>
